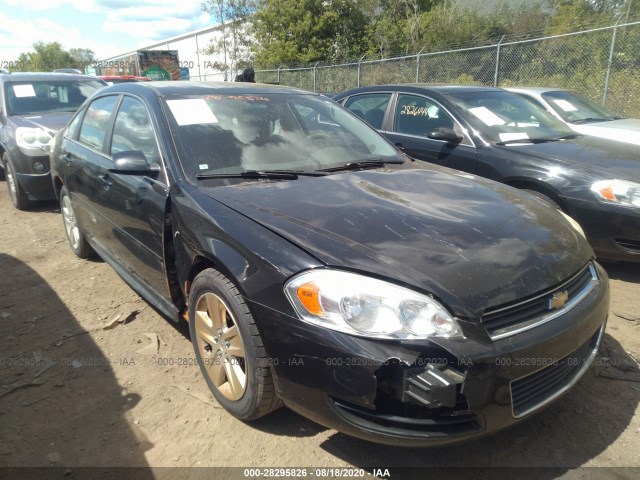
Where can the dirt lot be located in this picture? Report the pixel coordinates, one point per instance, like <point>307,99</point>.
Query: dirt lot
<point>74,394</point>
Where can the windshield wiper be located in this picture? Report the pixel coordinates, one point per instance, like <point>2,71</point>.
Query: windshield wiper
<point>258,174</point>
<point>527,140</point>
<point>569,136</point>
<point>592,119</point>
<point>362,164</point>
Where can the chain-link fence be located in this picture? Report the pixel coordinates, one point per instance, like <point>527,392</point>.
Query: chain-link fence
<point>602,64</point>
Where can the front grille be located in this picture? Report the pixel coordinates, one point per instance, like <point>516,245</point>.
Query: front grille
<point>508,320</point>
<point>540,388</point>
<point>628,244</point>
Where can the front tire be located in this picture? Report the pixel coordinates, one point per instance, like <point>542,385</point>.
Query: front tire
<point>16,193</point>
<point>77,240</point>
<point>229,348</point>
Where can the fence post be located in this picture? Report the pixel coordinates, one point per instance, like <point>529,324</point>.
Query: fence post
<point>314,75</point>
<point>418,64</point>
<point>279,74</point>
<point>495,76</point>
<point>359,62</point>
<point>608,74</point>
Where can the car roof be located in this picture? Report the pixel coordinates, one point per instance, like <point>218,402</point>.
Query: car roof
<point>442,89</point>
<point>123,77</point>
<point>34,76</point>
<point>537,90</point>
<point>187,87</point>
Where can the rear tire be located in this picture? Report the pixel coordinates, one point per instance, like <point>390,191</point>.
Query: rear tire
<point>77,241</point>
<point>228,347</point>
<point>16,193</point>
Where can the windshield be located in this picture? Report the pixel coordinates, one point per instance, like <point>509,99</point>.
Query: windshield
<point>576,109</point>
<point>42,96</point>
<point>228,134</point>
<point>507,117</point>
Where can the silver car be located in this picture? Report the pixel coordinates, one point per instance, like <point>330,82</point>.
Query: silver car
<point>583,115</point>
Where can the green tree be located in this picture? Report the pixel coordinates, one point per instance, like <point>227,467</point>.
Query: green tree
<point>233,42</point>
<point>573,15</point>
<point>289,32</point>
<point>82,57</point>
<point>47,57</point>
<point>395,26</point>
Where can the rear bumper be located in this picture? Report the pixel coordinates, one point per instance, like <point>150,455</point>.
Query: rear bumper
<point>365,387</point>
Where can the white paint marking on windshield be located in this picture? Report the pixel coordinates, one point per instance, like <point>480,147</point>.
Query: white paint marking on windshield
<point>191,111</point>
<point>505,137</point>
<point>24,91</point>
<point>487,116</point>
<point>564,105</point>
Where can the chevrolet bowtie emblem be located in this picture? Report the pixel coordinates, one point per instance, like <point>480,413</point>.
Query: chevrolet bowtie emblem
<point>558,300</point>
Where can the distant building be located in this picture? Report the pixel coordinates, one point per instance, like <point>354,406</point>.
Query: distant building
<point>193,63</point>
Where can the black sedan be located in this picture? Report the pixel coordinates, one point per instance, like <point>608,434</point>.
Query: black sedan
<point>33,107</point>
<point>505,137</point>
<point>318,266</point>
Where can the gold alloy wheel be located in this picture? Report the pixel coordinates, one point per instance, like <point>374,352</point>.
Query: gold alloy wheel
<point>220,346</point>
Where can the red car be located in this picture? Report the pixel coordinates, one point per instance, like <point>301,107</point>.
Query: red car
<point>111,79</point>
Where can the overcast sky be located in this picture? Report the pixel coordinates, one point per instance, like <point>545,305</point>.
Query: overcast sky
<point>108,27</point>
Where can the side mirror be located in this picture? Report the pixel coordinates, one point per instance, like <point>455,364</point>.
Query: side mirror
<point>130,162</point>
<point>445,134</point>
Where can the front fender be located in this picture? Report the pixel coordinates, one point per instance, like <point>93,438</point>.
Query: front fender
<point>207,233</point>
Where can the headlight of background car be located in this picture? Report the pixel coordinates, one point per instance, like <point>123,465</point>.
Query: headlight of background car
<point>369,307</point>
<point>33,141</point>
<point>620,192</point>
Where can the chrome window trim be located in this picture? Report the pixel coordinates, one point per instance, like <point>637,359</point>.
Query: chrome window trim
<point>552,315</point>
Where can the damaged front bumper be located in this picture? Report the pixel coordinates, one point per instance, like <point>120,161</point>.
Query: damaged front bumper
<point>426,393</point>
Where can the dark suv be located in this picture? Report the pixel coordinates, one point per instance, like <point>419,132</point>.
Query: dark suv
<point>33,107</point>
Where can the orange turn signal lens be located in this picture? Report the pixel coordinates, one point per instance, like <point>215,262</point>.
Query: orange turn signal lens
<point>309,296</point>
<point>607,193</point>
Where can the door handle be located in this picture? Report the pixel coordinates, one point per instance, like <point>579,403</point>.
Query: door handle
<point>399,145</point>
<point>105,181</point>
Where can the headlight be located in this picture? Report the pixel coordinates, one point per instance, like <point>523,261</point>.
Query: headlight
<point>620,192</point>
<point>33,141</point>
<point>365,306</point>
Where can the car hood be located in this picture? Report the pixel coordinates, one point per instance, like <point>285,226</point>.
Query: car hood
<point>51,122</point>
<point>623,130</point>
<point>598,157</point>
<point>471,242</point>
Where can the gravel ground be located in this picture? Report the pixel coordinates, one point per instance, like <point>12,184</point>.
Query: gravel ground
<point>75,394</point>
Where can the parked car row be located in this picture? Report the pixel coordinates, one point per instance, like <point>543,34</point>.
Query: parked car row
<point>583,115</point>
<point>506,137</point>
<point>366,285</point>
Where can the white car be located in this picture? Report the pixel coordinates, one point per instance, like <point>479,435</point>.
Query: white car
<point>583,115</point>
